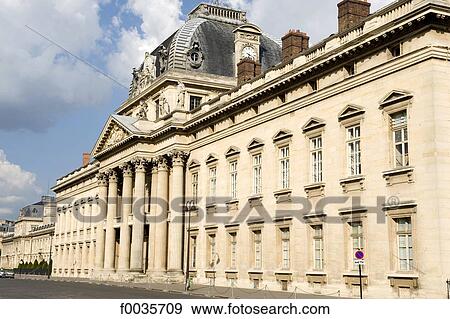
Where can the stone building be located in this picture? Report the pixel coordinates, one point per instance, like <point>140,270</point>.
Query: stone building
<point>32,235</point>
<point>294,156</point>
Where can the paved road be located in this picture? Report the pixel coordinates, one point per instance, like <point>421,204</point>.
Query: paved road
<point>47,289</point>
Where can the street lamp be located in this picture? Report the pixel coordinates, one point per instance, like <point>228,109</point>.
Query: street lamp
<point>448,288</point>
<point>188,207</point>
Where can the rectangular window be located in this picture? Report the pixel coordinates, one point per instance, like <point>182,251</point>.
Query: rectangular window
<point>195,187</point>
<point>399,126</point>
<point>316,159</point>
<point>257,246</point>
<point>194,102</point>
<point>212,181</point>
<point>404,243</point>
<point>284,167</point>
<point>354,150</point>
<point>233,179</point>
<point>233,250</point>
<point>212,250</point>
<point>193,252</point>
<point>357,240</point>
<point>285,251</point>
<point>318,247</point>
<point>257,174</point>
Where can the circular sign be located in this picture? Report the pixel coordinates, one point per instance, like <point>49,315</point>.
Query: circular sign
<point>359,254</point>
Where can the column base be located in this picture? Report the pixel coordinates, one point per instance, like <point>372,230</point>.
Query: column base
<point>175,276</point>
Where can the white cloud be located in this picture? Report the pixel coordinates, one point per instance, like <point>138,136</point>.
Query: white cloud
<point>317,18</point>
<point>16,185</point>
<point>37,81</point>
<point>159,19</point>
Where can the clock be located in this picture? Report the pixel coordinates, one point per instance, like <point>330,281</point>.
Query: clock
<point>249,52</point>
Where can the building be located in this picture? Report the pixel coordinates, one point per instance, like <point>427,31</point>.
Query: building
<point>31,236</point>
<point>295,157</point>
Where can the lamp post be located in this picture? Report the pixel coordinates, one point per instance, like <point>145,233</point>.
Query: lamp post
<point>448,288</point>
<point>188,207</point>
<point>50,264</point>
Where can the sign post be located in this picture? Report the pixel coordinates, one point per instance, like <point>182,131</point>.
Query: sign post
<point>359,260</point>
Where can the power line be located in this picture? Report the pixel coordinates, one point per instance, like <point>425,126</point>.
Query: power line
<point>76,57</point>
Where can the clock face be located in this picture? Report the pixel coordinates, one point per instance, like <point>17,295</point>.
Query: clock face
<point>249,53</point>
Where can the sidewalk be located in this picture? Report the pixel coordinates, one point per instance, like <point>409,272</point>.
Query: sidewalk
<point>197,290</point>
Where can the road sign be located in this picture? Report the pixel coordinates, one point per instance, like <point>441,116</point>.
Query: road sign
<point>359,262</point>
<point>359,254</point>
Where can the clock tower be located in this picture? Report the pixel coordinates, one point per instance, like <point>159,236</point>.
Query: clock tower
<point>247,39</point>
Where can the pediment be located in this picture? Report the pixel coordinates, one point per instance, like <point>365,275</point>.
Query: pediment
<point>212,158</point>
<point>349,111</point>
<point>232,150</point>
<point>248,28</point>
<point>113,133</point>
<point>255,143</point>
<point>193,164</point>
<point>395,96</point>
<point>312,124</point>
<point>282,135</point>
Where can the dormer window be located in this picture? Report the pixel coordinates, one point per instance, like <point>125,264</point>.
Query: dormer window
<point>194,102</point>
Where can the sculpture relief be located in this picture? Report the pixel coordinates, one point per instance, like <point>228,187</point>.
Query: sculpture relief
<point>117,135</point>
<point>181,89</point>
<point>143,76</point>
<point>164,107</point>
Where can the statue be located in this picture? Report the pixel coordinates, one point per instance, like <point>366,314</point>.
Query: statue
<point>142,110</point>
<point>164,107</point>
<point>148,68</point>
<point>163,58</point>
<point>181,95</point>
<point>134,89</point>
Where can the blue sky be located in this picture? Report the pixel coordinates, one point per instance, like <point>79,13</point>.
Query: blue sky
<point>53,107</point>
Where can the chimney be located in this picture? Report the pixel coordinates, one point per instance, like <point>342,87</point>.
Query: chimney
<point>86,158</point>
<point>294,42</point>
<point>247,70</point>
<point>351,13</point>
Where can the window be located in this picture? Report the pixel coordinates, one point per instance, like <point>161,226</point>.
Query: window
<point>212,250</point>
<point>354,150</point>
<point>212,181</point>
<point>195,187</point>
<point>400,138</point>
<point>316,159</point>
<point>284,167</point>
<point>357,239</point>
<point>233,179</point>
<point>233,250</point>
<point>193,252</point>
<point>318,247</point>
<point>257,174</point>
<point>285,240</point>
<point>404,243</point>
<point>194,102</point>
<point>257,246</point>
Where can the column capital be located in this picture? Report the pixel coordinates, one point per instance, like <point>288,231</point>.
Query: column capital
<point>112,176</point>
<point>163,162</point>
<point>102,179</point>
<point>140,164</point>
<point>179,158</point>
<point>127,169</point>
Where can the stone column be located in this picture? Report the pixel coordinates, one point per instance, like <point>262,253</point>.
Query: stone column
<point>137,240</point>
<point>71,259</point>
<point>110,237</point>
<point>160,222</point>
<point>152,233</point>
<point>65,257</point>
<point>175,248</point>
<point>127,194</point>
<point>84,257</point>
<point>102,180</point>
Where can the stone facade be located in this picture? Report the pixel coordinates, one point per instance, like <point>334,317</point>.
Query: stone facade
<point>32,235</point>
<point>344,148</point>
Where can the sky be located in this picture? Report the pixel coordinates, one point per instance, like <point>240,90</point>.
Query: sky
<point>65,66</point>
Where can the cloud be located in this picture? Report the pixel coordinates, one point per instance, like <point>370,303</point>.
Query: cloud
<point>38,80</point>
<point>158,20</point>
<point>317,18</point>
<point>16,185</point>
